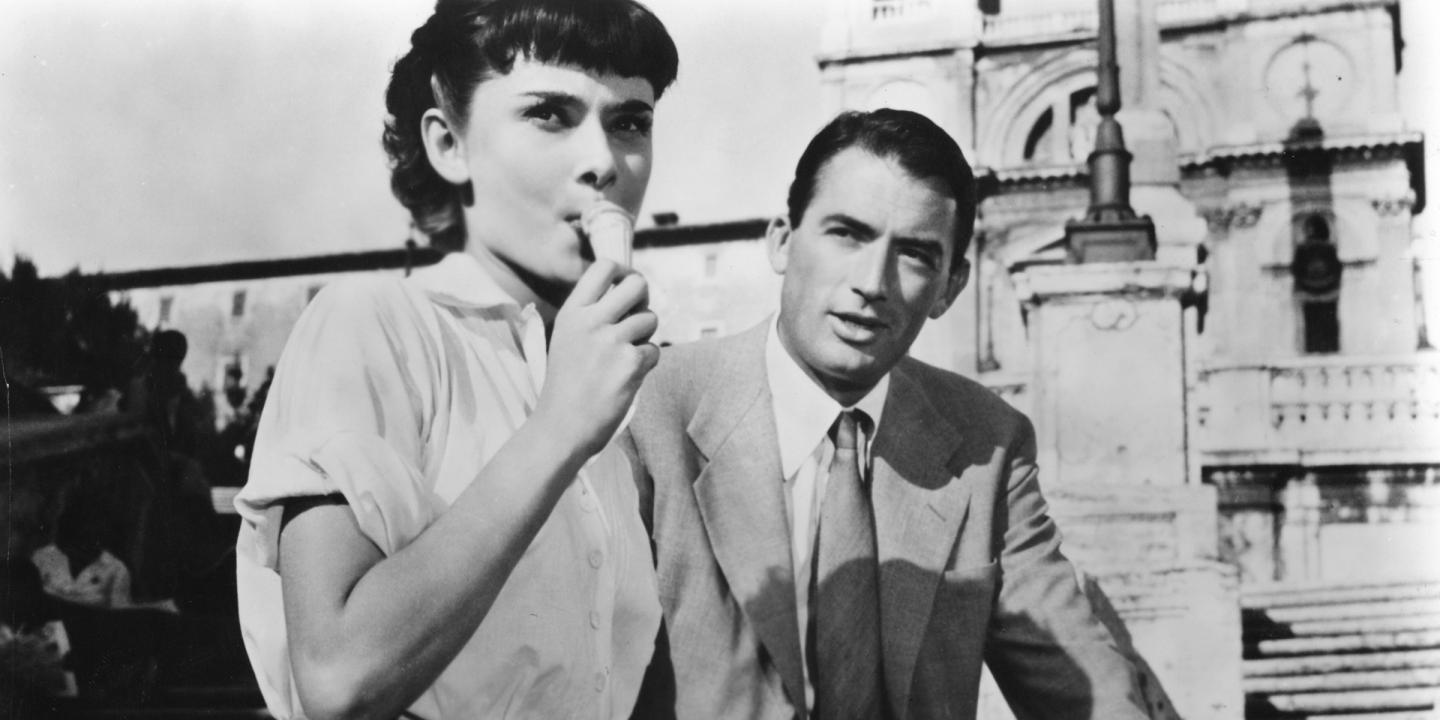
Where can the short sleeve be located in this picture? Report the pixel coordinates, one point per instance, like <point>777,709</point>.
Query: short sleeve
<point>347,413</point>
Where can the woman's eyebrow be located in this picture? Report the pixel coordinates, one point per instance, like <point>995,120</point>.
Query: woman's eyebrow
<point>631,106</point>
<point>553,96</point>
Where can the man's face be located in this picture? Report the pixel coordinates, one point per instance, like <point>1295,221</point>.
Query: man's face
<point>870,261</point>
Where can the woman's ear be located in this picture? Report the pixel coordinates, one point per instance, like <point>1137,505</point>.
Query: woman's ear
<point>444,147</point>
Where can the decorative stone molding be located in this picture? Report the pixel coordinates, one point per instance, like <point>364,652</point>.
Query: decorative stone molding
<point>1240,215</point>
<point>1393,206</point>
<point>1216,219</point>
<point>1245,216</point>
<point>1045,283</point>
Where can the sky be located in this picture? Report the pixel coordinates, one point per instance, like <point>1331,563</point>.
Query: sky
<point>153,133</point>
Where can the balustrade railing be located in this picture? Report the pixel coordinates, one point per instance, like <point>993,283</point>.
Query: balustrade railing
<point>1336,410</point>
<point>999,28</point>
<point>1081,18</point>
<point>885,10</point>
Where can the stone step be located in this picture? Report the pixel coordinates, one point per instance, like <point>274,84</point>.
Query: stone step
<point>1322,664</point>
<point>1368,652</point>
<point>1397,715</point>
<point>1320,594</point>
<point>1408,607</point>
<point>1352,626</point>
<point>1367,701</point>
<point>1338,682</point>
<point>1363,642</point>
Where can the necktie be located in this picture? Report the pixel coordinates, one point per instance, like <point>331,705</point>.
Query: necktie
<point>845,599</point>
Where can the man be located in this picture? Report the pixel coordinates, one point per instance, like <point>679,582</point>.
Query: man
<point>842,531</point>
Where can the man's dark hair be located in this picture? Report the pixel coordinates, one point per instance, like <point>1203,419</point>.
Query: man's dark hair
<point>910,139</point>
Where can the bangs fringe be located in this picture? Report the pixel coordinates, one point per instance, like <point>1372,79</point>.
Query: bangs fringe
<point>614,37</point>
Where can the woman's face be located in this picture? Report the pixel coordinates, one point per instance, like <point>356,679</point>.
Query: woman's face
<point>545,142</point>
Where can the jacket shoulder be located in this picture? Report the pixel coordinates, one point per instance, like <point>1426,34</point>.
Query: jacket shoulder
<point>973,408</point>
<point>681,378</point>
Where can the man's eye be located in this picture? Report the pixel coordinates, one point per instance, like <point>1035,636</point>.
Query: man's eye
<point>920,255</point>
<point>840,231</point>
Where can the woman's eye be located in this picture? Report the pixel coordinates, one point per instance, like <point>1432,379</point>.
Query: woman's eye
<point>638,125</point>
<point>546,115</point>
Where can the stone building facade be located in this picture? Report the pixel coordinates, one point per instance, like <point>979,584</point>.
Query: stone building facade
<point>1272,154</point>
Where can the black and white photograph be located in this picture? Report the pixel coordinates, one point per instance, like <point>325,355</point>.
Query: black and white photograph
<point>731,359</point>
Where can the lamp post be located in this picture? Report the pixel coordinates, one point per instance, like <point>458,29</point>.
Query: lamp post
<point>1110,230</point>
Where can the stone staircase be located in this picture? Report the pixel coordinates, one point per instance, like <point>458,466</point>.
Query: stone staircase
<point>1361,652</point>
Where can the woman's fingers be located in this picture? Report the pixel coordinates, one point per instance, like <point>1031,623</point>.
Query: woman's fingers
<point>637,327</point>
<point>631,293</point>
<point>649,357</point>
<point>595,281</point>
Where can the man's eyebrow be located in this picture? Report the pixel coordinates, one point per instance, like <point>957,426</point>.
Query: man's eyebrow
<point>851,222</point>
<point>928,243</point>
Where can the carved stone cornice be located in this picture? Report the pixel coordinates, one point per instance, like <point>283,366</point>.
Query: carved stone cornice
<point>1085,283</point>
<point>1240,215</point>
<point>1393,206</point>
<point>1223,159</point>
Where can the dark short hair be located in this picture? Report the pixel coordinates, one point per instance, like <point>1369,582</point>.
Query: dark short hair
<point>467,41</point>
<point>169,346</point>
<point>909,139</point>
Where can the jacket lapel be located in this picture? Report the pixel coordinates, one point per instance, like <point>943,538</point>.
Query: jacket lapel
<point>919,508</point>
<point>740,493</point>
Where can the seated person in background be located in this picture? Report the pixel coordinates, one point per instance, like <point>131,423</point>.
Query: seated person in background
<point>77,568</point>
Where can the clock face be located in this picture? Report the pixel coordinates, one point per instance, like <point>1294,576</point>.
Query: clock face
<point>1309,78</point>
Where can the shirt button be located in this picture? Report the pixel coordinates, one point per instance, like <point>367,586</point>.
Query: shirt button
<point>597,559</point>
<point>594,619</point>
<point>599,682</point>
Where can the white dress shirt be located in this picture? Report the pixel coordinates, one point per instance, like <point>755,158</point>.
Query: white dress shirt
<point>803,416</point>
<point>395,393</point>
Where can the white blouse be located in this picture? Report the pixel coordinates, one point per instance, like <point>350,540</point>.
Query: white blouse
<point>395,393</point>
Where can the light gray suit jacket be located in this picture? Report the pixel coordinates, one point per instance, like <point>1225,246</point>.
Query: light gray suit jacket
<point>970,564</point>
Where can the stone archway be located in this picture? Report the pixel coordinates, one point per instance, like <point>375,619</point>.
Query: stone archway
<point>1039,119</point>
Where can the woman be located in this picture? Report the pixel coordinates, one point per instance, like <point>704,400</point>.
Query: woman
<point>436,525</point>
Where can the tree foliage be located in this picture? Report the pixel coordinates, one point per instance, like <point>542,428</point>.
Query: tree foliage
<point>65,330</point>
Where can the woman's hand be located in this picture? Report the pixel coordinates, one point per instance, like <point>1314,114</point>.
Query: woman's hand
<point>600,351</point>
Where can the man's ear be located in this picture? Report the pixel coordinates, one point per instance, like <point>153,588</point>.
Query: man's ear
<point>777,244</point>
<point>956,281</point>
<point>444,147</point>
